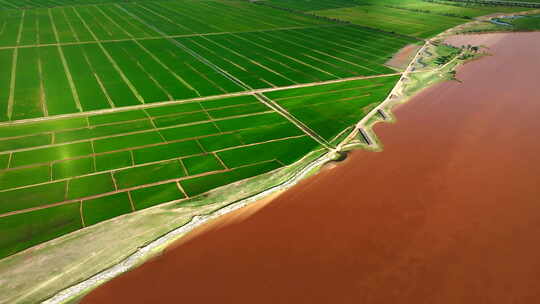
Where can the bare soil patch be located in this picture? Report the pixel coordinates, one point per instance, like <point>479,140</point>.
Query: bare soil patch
<point>402,59</point>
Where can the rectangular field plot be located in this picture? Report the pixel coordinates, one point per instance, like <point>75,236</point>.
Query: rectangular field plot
<point>288,57</point>
<point>310,5</point>
<point>118,162</point>
<point>20,231</point>
<point>417,24</point>
<point>330,109</point>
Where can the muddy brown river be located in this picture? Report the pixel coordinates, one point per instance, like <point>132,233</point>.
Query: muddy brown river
<point>449,212</point>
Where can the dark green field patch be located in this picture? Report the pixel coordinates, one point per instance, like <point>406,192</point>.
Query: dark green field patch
<point>167,151</point>
<point>172,109</point>
<point>190,131</point>
<point>201,184</point>
<point>249,121</point>
<point>151,196</point>
<point>116,117</point>
<point>102,131</point>
<point>286,151</point>
<point>149,174</point>
<point>31,197</point>
<point>21,231</point>
<point>115,160</point>
<point>202,164</point>
<point>90,185</point>
<point>4,160</point>
<point>24,176</point>
<point>179,119</point>
<point>73,167</point>
<point>126,141</point>
<point>231,101</point>
<point>104,208</point>
<point>239,110</point>
<point>218,142</point>
<point>255,135</point>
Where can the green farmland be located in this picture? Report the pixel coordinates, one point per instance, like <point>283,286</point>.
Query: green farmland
<point>115,163</point>
<point>68,78</point>
<point>416,18</point>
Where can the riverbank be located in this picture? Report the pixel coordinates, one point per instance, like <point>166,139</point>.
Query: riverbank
<point>446,213</point>
<point>347,143</point>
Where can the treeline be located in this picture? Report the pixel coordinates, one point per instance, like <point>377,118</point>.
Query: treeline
<point>417,10</point>
<point>496,3</point>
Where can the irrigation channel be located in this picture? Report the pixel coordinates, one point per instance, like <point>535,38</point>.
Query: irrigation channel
<point>448,212</point>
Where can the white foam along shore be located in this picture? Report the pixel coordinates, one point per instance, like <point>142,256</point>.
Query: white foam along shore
<point>143,252</point>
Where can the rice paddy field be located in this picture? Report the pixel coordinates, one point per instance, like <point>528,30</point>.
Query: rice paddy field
<point>416,18</point>
<point>87,58</point>
<point>81,170</point>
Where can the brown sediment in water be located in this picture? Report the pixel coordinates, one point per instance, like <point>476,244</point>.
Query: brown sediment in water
<point>448,212</point>
<point>404,56</point>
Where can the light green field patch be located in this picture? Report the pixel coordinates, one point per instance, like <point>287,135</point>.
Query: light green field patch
<point>151,196</point>
<point>202,163</point>
<point>25,142</point>
<point>42,126</point>
<point>73,167</point>
<point>43,155</point>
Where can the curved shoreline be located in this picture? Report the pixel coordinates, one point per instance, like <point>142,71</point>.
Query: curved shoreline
<point>144,252</point>
<point>134,259</point>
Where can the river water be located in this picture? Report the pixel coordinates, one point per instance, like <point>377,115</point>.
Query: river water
<point>448,212</point>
